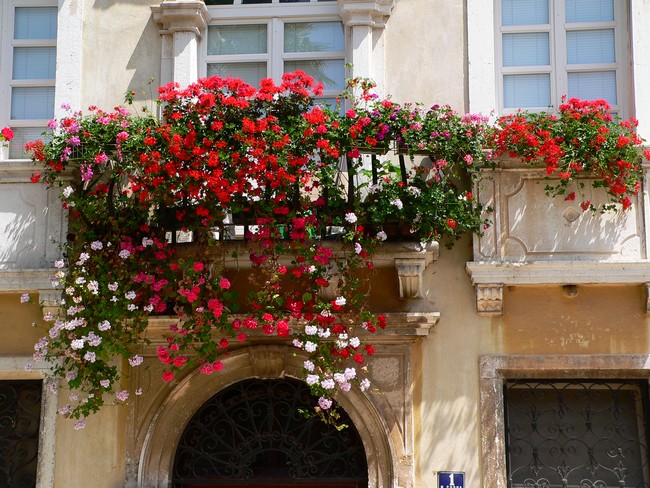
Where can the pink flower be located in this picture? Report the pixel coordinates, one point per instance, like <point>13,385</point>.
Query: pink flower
<point>224,283</point>
<point>7,133</point>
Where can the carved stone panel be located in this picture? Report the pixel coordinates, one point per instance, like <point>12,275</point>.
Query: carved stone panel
<point>529,225</point>
<point>30,220</point>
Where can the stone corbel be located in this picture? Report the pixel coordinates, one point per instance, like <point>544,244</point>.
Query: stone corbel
<point>182,16</point>
<point>364,12</point>
<point>409,273</point>
<point>647,297</point>
<point>489,299</point>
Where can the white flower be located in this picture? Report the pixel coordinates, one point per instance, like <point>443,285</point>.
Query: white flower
<point>96,246</point>
<point>324,333</point>
<point>328,384</point>
<point>147,241</point>
<point>397,203</point>
<point>122,395</point>
<point>345,386</point>
<point>105,325</point>
<point>310,346</point>
<point>297,343</point>
<point>350,373</point>
<point>79,424</point>
<point>138,391</point>
<point>130,295</point>
<point>357,248</point>
<point>355,342</point>
<point>148,308</point>
<point>67,191</point>
<point>311,329</point>
<point>83,257</point>
<point>90,356</point>
<point>312,379</point>
<point>350,217</point>
<point>93,339</point>
<point>339,378</point>
<point>25,298</point>
<point>80,280</point>
<point>324,403</point>
<point>93,286</point>
<point>414,190</point>
<point>381,235</point>
<point>308,365</point>
<point>340,301</point>
<point>364,384</point>
<point>136,360</point>
<point>105,383</point>
<point>59,263</point>
<point>124,253</point>
<point>112,286</point>
<point>131,307</point>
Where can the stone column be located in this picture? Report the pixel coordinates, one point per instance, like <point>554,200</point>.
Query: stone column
<point>365,21</point>
<point>184,23</point>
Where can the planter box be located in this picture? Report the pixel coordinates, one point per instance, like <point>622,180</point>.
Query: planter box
<point>528,225</point>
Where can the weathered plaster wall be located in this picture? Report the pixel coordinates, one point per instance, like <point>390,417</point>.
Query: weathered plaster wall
<point>425,52</point>
<point>17,335</point>
<point>121,51</point>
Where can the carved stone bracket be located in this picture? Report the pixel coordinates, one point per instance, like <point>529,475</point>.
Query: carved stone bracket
<point>409,273</point>
<point>364,12</point>
<point>647,297</point>
<point>182,16</point>
<point>489,299</point>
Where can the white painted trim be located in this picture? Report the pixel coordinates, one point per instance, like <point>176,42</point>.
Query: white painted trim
<point>69,56</point>
<point>640,34</point>
<point>560,273</point>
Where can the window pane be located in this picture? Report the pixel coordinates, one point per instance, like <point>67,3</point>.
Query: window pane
<point>247,2</point>
<point>330,73</point>
<point>35,63</point>
<point>251,73</point>
<point>35,23</point>
<point>593,46</point>
<point>593,86</point>
<point>237,39</point>
<point>23,135</point>
<point>526,49</point>
<point>524,12</point>
<point>313,37</point>
<point>32,103</point>
<point>526,91</point>
<point>589,10</point>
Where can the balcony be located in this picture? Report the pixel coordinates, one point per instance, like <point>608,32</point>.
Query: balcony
<point>540,240</point>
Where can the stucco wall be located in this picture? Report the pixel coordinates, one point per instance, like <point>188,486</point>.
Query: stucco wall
<point>425,52</point>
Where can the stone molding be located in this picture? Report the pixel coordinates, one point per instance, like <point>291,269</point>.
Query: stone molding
<point>367,13</point>
<point>182,16</point>
<point>495,370</point>
<point>156,427</point>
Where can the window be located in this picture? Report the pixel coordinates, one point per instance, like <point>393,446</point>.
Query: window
<point>576,433</point>
<point>20,411</point>
<point>547,49</point>
<point>27,70</point>
<point>259,41</point>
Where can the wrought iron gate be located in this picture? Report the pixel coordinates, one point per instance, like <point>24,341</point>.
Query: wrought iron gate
<point>252,433</point>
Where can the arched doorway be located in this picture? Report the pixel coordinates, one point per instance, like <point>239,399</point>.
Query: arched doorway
<point>253,434</point>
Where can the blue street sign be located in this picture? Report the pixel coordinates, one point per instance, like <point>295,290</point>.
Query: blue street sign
<point>451,479</point>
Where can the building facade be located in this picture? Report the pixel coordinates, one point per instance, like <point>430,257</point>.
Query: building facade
<point>518,358</point>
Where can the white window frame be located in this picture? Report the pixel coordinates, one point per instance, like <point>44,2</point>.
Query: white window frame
<point>559,69</point>
<point>275,15</point>
<point>7,83</point>
<point>482,65</point>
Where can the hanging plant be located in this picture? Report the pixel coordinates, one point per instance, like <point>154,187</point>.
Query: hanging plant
<point>225,150</point>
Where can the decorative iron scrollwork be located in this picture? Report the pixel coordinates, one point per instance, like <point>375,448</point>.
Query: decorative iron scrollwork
<point>20,412</point>
<point>586,434</point>
<point>253,430</point>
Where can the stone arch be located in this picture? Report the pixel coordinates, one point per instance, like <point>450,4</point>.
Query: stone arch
<point>159,444</point>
